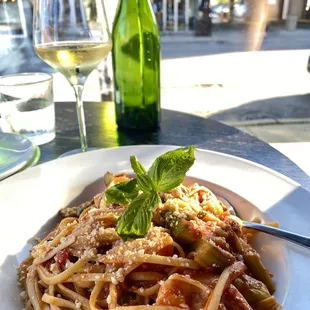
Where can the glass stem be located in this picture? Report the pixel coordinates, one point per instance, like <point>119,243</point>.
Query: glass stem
<point>78,89</point>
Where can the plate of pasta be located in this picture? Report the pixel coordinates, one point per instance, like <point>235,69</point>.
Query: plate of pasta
<point>150,228</point>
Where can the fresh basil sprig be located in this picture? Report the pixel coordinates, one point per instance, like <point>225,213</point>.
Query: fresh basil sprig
<point>122,193</point>
<point>166,173</point>
<point>169,169</point>
<point>145,183</point>
<point>136,220</point>
<point>136,165</point>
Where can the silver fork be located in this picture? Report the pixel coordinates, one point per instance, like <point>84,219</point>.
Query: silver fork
<point>277,232</point>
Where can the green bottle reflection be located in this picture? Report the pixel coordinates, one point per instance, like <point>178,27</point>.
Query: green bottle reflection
<point>136,66</point>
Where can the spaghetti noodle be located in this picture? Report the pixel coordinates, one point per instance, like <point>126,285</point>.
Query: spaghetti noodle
<point>195,256</point>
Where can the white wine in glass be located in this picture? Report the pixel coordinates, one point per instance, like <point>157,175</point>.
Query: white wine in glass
<point>73,37</point>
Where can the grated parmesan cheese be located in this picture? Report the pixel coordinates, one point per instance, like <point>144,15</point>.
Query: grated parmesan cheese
<point>23,294</point>
<point>78,304</point>
<point>109,299</point>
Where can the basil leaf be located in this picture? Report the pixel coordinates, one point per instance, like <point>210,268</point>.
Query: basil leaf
<point>122,193</point>
<point>145,183</point>
<point>169,169</point>
<point>136,165</point>
<point>136,219</point>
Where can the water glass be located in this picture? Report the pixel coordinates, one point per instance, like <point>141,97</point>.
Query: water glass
<point>27,106</point>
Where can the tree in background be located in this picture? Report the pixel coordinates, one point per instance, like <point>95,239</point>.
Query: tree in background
<point>231,10</point>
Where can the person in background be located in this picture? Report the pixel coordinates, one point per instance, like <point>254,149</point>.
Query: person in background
<point>157,11</point>
<point>154,6</point>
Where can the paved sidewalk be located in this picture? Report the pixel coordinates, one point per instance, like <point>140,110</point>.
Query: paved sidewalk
<point>265,94</point>
<point>185,44</point>
<point>240,87</point>
<point>275,35</point>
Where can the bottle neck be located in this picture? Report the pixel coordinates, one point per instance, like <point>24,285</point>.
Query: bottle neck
<point>136,2</point>
<point>132,4</point>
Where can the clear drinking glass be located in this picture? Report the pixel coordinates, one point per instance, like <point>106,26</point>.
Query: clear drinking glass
<point>27,106</point>
<point>73,37</point>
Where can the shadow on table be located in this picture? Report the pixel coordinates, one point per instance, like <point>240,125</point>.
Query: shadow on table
<point>176,129</point>
<point>274,109</point>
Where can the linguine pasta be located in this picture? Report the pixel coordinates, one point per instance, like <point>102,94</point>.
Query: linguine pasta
<point>194,256</point>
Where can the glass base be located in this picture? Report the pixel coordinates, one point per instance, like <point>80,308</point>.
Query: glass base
<point>78,151</point>
<point>43,138</point>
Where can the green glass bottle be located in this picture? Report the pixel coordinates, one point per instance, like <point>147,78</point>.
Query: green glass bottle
<point>136,66</point>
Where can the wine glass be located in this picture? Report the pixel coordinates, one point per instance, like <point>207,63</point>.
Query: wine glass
<point>73,37</point>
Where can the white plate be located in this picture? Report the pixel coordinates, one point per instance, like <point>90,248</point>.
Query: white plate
<point>30,200</point>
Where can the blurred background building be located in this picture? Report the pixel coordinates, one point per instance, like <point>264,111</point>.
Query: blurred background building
<point>172,15</point>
